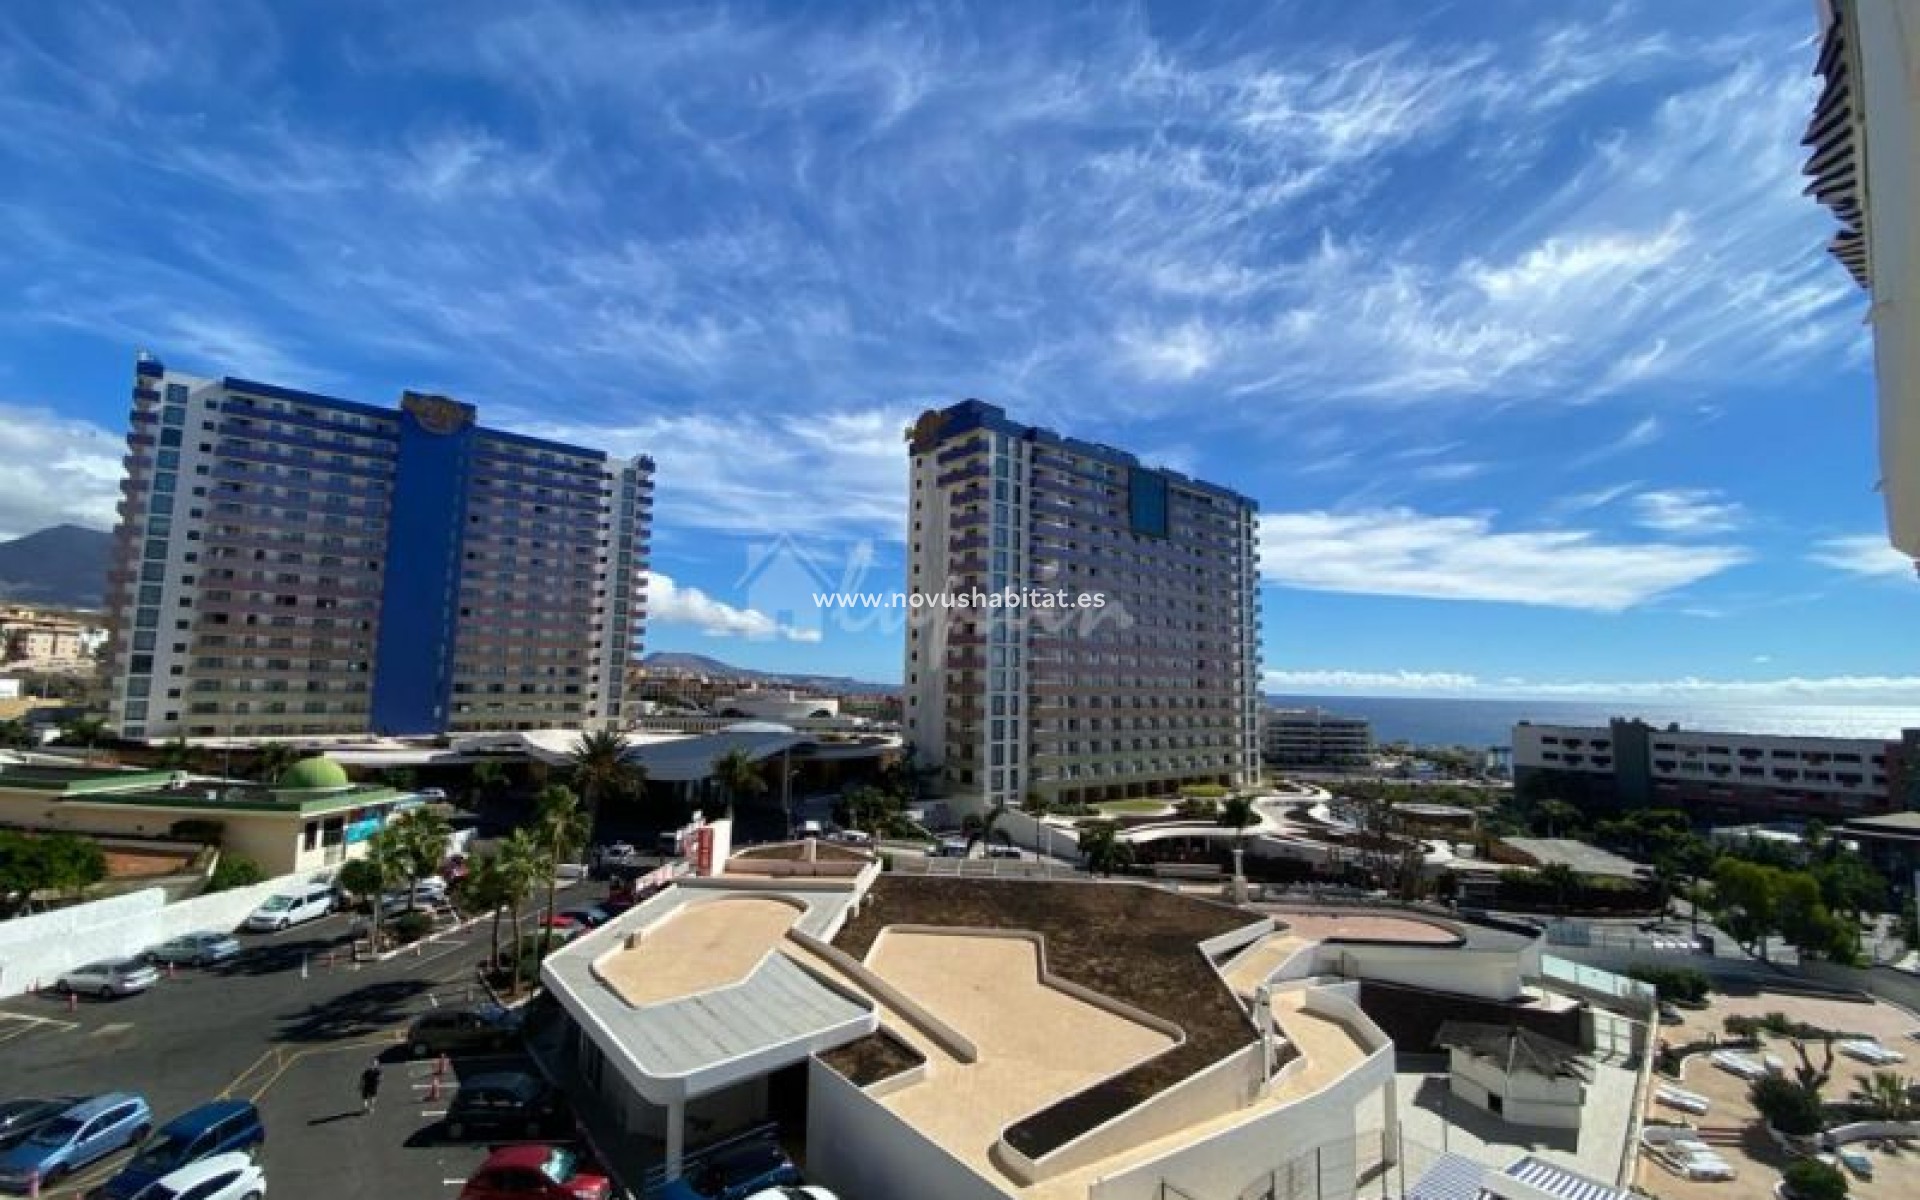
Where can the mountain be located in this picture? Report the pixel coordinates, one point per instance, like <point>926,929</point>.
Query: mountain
<point>713,668</point>
<point>64,566</point>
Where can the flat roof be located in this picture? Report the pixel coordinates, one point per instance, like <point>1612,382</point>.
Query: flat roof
<point>704,1029</point>
<point>1587,859</point>
<point>79,780</point>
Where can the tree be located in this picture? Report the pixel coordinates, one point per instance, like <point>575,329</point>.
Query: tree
<point>601,770</point>
<point>561,826</point>
<point>981,827</point>
<point>84,731</point>
<point>739,777</point>
<point>417,844</point>
<point>176,755</point>
<point>51,862</point>
<point>369,876</point>
<point>1556,818</point>
<point>488,778</point>
<point>1886,1096</point>
<point>1561,881</point>
<point>14,735</point>
<point>869,808</point>
<point>1811,1179</point>
<point>1787,1105</point>
<point>1104,851</point>
<point>520,859</point>
<point>1746,898</point>
<point>487,889</point>
<point>271,760</point>
<point>235,870</point>
<point>1036,805</point>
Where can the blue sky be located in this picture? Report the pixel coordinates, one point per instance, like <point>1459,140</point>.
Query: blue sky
<point>1511,315</point>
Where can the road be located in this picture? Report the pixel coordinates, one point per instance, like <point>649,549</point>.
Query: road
<point>288,1025</point>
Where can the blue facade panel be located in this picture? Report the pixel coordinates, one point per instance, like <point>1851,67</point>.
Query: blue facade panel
<point>413,664</point>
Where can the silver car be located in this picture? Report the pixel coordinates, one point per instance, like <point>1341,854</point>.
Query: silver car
<point>112,977</point>
<point>202,948</point>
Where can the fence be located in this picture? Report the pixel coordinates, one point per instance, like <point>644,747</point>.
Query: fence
<point>1344,1169</point>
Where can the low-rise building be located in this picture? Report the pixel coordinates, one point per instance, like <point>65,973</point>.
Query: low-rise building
<point>33,637</point>
<point>1716,777</point>
<point>970,1039</point>
<point>311,817</point>
<point>1314,737</point>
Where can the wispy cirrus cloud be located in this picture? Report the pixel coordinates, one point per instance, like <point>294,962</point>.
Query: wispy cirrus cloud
<point>1867,554</point>
<point>1687,512</point>
<point>1402,552</point>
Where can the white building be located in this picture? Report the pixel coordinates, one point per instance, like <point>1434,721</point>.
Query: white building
<point>1716,775</point>
<point>1865,154</point>
<point>777,706</point>
<point>1138,671</point>
<point>1314,737</point>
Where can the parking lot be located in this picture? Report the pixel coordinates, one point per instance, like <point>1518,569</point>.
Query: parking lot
<point>289,1025</point>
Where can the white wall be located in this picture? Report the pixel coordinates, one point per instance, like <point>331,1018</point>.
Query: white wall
<point>856,1147</point>
<point>39,948</point>
<point>1490,975</point>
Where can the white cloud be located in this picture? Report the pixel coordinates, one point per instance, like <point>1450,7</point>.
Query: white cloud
<point>1834,689</point>
<point>1179,353</point>
<point>1687,512</point>
<point>1868,554</point>
<point>56,470</point>
<point>668,603</point>
<point>1401,552</point>
<point>801,472</point>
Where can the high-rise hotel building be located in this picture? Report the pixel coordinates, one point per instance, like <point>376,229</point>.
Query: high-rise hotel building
<point>289,564</point>
<point>1157,687</point>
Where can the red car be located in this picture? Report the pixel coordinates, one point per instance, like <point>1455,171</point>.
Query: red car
<point>535,1172</point>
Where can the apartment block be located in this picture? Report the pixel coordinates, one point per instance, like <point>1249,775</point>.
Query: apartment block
<point>292,564</point>
<point>1314,737</point>
<point>1144,672</point>
<point>1716,776</point>
<point>34,637</point>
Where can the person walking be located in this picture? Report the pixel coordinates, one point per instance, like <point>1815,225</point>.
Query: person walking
<point>369,1086</point>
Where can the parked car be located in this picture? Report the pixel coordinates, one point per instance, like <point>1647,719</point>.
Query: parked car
<point>308,903</point>
<point>220,1128</point>
<point>85,1133</point>
<point>803,1192</point>
<point>222,1177</point>
<point>18,1118</point>
<point>563,927</point>
<point>948,848</point>
<point>201,948</point>
<point>507,1103</point>
<point>593,916</point>
<point>111,977</point>
<point>427,894</point>
<point>1002,850</point>
<point>452,1030</point>
<point>748,1169</point>
<point>535,1172</point>
<point>431,793</point>
<point>614,905</point>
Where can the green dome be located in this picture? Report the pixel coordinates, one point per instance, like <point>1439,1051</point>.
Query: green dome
<point>312,775</point>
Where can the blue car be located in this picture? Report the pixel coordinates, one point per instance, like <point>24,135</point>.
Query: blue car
<point>85,1133</point>
<point>216,1128</point>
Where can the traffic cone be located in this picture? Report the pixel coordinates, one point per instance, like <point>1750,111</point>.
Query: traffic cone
<point>433,1086</point>
<point>439,1066</point>
<point>73,1000</point>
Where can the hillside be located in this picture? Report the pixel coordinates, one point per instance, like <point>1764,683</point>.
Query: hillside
<point>700,664</point>
<point>63,566</point>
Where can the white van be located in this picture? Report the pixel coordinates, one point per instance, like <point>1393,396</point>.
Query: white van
<point>308,903</point>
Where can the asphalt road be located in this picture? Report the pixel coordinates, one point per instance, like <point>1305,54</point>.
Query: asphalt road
<point>289,1028</point>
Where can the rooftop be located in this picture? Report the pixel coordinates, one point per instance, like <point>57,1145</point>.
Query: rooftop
<point>1520,1049</point>
<point>1586,859</point>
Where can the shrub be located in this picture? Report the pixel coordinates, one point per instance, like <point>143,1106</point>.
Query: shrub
<point>1787,1106</point>
<point>1198,808</point>
<point>198,829</point>
<point>235,870</point>
<point>1685,984</point>
<point>1203,791</point>
<point>410,926</point>
<point>1811,1179</point>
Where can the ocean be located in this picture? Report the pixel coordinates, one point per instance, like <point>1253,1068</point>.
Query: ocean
<point>1480,723</point>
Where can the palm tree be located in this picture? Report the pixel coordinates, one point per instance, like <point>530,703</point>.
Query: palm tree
<point>15,735</point>
<point>1560,879</point>
<point>419,845</point>
<point>981,828</point>
<point>1104,851</point>
<point>176,755</point>
<point>488,889</point>
<point>271,760</point>
<point>520,859</point>
<point>84,731</point>
<point>739,776</point>
<point>488,777</point>
<point>1885,1096</point>
<point>1238,814</point>
<point>601,769</point>
<point>370,875</point>
<point>561,827</point>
